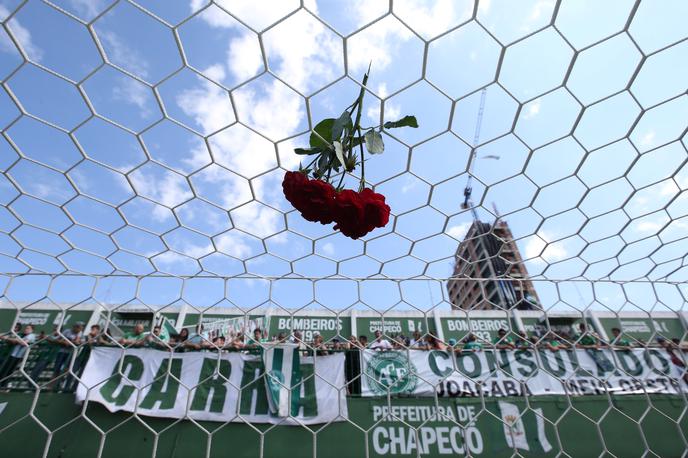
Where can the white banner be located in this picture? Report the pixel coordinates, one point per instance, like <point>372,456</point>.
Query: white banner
<point>210,386</point>
<point>518,372</point>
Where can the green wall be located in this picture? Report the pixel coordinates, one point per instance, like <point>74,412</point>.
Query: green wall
<point>624,428</point>
<point>394,325</point>
<point>645,329</point>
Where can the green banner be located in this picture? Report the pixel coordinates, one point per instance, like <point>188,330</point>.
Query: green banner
<point>547,426</point>
<point>484,328</point>
<point>394,325</point>
<point>567,327</point>
<point>328,326</point>
<point>42,320</point>
<point>645,329</point>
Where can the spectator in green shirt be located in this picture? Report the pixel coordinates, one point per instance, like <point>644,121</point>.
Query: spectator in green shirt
<point>552,342</point>
<point>587,339</point>
<point>253,345</point>
<point>154,339</point>
<point>502,341</point>
<point>619,341</point>
<point>471,343</point>
<point>522,340</point>
<point>135,338</point>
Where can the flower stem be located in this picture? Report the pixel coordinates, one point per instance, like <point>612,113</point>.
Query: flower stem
<point>362,184</point>
<point>357,127</point>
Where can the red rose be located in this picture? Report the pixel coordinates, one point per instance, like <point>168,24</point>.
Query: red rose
<point>315,201</point>
<point>349,214</point>
<point>292,184</point>
<point>376,211</point>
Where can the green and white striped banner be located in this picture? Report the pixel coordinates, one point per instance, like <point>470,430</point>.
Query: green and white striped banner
<point>282,376</point>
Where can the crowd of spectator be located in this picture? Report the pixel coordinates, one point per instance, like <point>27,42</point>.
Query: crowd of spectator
<point>63,354</point>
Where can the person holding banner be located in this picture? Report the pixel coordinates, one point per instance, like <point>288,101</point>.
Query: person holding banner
<point>471,343</point>
<point>619,341</point>
<point>19,346</point>
<point>552,342</point>
<point>502,341</point>
<point>671,348</point>
<point>154,339</point>
<point>135,338</point>
<point>198,341</point>
<point>177,341</point>
<point>380,343</point>
<point>522,342</point>
<point>434,343</point>
<point>587,339</point>
<point>254,345</point>
<point>417,341</point>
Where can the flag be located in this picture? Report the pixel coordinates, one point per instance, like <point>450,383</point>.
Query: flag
<point>167,329</point>
<point>282,375</point>
<point>525,432</point>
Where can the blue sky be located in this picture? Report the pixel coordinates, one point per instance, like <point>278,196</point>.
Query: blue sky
<point>152,136</point>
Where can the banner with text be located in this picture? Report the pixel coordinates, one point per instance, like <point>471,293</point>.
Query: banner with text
<point>518,372</point>
<point>213,387</point>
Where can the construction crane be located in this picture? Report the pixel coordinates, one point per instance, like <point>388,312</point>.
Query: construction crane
<point>467,203</point>
<point>498,266</point>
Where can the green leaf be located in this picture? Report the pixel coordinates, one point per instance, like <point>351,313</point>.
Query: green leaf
<point>406,121</point>
<point>322,133</point>
<point>308,151</point>
<point>339,151</point>
<point>374,143</point>
<point>344,121</point>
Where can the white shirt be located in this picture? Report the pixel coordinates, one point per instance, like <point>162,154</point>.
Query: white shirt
<point>382,344</point>
<point>19,350</point>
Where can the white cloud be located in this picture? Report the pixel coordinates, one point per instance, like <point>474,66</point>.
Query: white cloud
<point>328,248</point>
<point>409,184</point>
<point>234,243</point>
<point>214,16</point>
<point>232,189</point>
<point>271,108</point>
<point>244,57</point>
<point>133,92</point>
<point>668,188</point>
<point>378,43</point>
<point>120,54</point>
<point>430,19</point>
<point>257,219</point>
<point>173,260</point>
<point>260,14</point>
<point>392,112</point>
<point>459,231</point>
<point>304,52</point>
<point>648,227</point>
<point>540,248</point>
<point>243,151</point>
<point>648,139</point>
<point>166,188</point>
<point>539,8</point>
<point>88,8</point>
<point>22,35</point>
<point>533,109</point>
<point>208,104</point>
<point>484,6</point>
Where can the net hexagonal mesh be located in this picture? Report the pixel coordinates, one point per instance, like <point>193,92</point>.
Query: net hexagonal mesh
<point>526,298</point>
